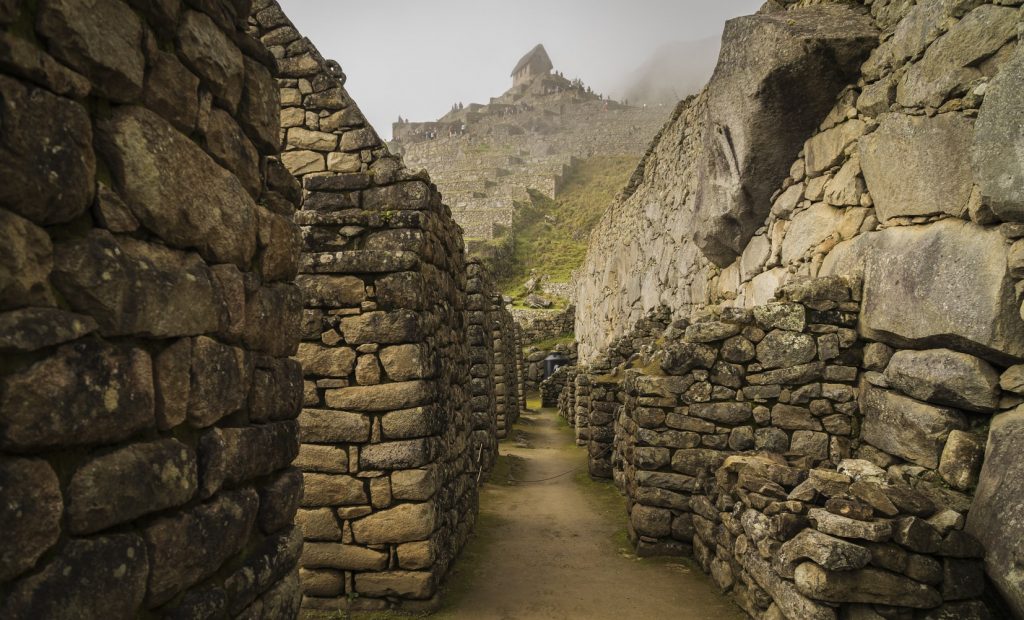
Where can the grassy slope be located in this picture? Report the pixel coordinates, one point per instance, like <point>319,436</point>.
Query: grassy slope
<point>556,245</point>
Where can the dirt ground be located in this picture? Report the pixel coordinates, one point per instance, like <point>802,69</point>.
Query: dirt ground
<point>558,549</point>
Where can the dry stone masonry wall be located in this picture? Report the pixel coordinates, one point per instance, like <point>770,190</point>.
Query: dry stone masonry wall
<point>812,472</point>
<point>147,316</point>
<point>400,352</point>
<point>911,183</point>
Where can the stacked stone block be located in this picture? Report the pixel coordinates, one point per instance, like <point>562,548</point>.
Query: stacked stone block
<point>482,350</point>
<point>508,357</point>
<point>551,388</point>
<point>581,418</point>
<point>567,397</point>
<point>147,316</point>
<point>811,472</point>
<point>389,455</point>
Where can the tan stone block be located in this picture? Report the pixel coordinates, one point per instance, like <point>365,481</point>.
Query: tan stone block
<point>403,523</point>
<point>342,557</point>
<point>318,524</point>
<point>406,584</point>
<point>415,555</point>
<point>303,162</point>
<point>332,490</point>
<point>321,582</point>
<point>404,362</point>
<point>328,426</point>
<point>325,361</point>
<point>344,162</point>
<point>413,484</point>
<point>324,459</point>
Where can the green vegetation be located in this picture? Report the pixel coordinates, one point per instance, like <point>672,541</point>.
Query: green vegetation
<point>550,236</point>
<point>551,343</point>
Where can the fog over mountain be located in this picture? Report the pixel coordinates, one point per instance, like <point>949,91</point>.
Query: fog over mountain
<point>675,70</point>
<point>416,59</point>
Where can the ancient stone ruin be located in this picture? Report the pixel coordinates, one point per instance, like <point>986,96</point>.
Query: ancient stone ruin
<point>247,369</point>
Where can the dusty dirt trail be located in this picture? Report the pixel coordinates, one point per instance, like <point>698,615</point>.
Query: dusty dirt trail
<point>557,549</point>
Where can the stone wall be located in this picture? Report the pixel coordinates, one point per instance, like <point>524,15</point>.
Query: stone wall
<point>908,180</point>
<point>813,472</point>
<point>147,316</point>
<point>508,356</point>
<point>482,352</point>
<point>398,353</point>
<point>538,325</point>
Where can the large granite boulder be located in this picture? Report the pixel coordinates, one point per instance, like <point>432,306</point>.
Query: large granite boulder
<point>945,377</point>
<point>944,284</point>
<point>777,77</point>
<point>998,153</point>
<point>997,515</point>
<point>916,165</point>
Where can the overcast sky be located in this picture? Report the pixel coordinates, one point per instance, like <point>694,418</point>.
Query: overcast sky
<point>417,57</point>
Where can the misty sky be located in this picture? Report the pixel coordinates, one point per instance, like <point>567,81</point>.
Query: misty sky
<point>417,57</point>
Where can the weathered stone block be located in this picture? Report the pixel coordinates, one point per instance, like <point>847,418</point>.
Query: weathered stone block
<point>136,288</point>
<point>999,142</point>
<point>220,380</point>
<point>30,515</point>
<point>945,377</point>
<point>331,291</point>
<point>403,523</point>
<point>905,427</point>
<point>30,329</point>
<point>321,361</point>
<point>188,547</point>
<point>395,454</point>
<point>916,165</point>
<point>997,514</point>
<point>161,473</point>
<point>382,328</point>
<point>781,348</point>
<point>868,585</point>
<point>327,426</point>
<point>383,397</point>
<point>101,577</point>
<point>228,456</point>
<point>279,500</point>
<point>332,490</point>
<point>956,274</point>
<point>405,584</point>
<point>413,484</point>
<point>342,557</point>
<point>212,55</point>
<point>84,393</point>
<point>45,138</point>
<point>102,40</point>
<point>152,163</point>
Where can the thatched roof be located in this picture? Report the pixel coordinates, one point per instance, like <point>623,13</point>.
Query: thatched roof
<point>538,56</point>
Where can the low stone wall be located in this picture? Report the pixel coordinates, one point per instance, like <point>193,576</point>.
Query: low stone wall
<point>147,316</point>
<point>482,323</point>
<point>508,355</point>
<point>812,472</point>
<point>538,325</point>
<point>552,387</point>
<point>398,351</point>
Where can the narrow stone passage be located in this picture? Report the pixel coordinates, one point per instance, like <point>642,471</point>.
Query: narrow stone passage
<point>557,549</point>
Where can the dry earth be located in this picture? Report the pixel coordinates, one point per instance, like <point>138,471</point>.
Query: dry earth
<point>557,549</point>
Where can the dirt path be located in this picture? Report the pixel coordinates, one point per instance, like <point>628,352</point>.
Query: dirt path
<point>558,549</point>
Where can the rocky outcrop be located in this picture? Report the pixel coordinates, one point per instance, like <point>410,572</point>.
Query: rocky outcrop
<point>777,74</point>
<point>147,316</point>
